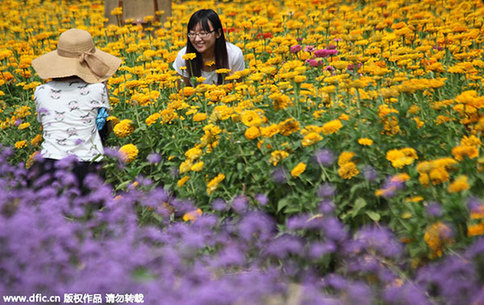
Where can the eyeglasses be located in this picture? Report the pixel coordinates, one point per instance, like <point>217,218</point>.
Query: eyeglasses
<point>202,35</point>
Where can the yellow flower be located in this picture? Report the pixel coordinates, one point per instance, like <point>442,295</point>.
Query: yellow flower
<point>310,139</point>
<point>475,230</point>
<point>124,128</point>
<point>461,151</point>
<point>365,141</point>
<point>437,236</point>
<point>252,132</point>
<point>478,212</point>
<point>345,157</point>
<point>185,166</point>
<point>439,175</point>
<point>288,127</point>
<point>30,161</point>
<point>189,56</point>
<point>199,117</point>
<point>129,152</point>
<point>458,185</point>
<point>152,119</point>
<point>222,71</point>
<point>298,169</point>
<point>23,126</point>
<point>181,182</point>
<point>269,131</point>
<point>193,215</point>
<point>193,153</point>
<point>197,167</point>
<point>277,156</point>
<point>251,118</point>
<point>348,170</point>
<point>332,127</point>
<point>213,184</point>
<point>20,144</point>
<point>36,140</point>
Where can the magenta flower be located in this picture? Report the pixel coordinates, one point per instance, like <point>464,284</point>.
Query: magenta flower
<point>325,52</point>
<point>296,48</point>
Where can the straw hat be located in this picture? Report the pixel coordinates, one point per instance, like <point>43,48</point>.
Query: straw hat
<point>76,55</point>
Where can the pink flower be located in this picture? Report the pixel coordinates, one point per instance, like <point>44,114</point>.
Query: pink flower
<point>313,62</point>
<point>296,48</point>
<point>325,52</point>
<point>309,49</point>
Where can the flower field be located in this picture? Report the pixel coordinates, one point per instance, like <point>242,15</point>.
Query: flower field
<point>342,166</point>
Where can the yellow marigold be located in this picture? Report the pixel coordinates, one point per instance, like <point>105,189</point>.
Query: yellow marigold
<point>471,141</point>
<point>197,167</point>
<point>181,182</point>
<point>424,179</point>
<point>124,128</point>
<point>199,117</point>
<point>23,126</point>
<point>438,175</point>
<point>20,144</point>
<point>475,230</point>
<point>30,161</point>
<point>269,131</point>
<point>436,237</point>
<point>298,169</point>
<point>152,119</point>
<point>189,56</point>
<point>251,118</point>
<point>193,215</point>
<point>288,126</point>
<point>401,157</point>
<point>187,91</point>
<point>348,170</point>
<point>185,166</point>
<point>461,151</point>
<point>345,157</point>
<point>222,71</point>
<point>310,139</point>
<point>128,152</point>
<point>365,141</point>
<point>213,184</point>
<point>252,132</point>
<point>332,127</point>
<point>36,140</point>
<point>193,153</point>
<point>459,184</point>
<point>277,156</point>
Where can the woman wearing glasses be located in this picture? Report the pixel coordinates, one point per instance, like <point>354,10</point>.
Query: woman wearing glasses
<point>205,38</point>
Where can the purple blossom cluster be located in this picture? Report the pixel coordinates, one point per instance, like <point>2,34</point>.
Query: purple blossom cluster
<point>56,240</point>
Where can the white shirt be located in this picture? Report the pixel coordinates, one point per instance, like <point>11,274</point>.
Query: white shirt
<point>67,112</point>
<point>236,63</point>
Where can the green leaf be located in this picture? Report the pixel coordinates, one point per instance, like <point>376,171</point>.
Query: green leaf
<point>373,216</point>
<point>358,205</point>
<point>281,204</point>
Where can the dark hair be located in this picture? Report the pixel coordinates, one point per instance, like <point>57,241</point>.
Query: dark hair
<point>221,57</point>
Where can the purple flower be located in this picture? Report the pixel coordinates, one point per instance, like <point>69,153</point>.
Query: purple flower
<point>262,199</point>
<point>154,158</point>
<point>370,173</point>
<point>326,190</point>
<point>219,205</point>
<point>434,209</point>
<point>279,175</point>
<point>323,157</point>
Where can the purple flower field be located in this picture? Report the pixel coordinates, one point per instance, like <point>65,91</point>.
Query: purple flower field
<point>54,240</point>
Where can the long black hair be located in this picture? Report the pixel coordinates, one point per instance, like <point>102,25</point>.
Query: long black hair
<point>221,57</point>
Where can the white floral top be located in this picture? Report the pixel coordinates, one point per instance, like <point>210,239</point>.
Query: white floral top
<point>67,111</point>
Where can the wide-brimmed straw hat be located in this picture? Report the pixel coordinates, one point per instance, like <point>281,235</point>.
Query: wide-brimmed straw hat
<point>76,55</point>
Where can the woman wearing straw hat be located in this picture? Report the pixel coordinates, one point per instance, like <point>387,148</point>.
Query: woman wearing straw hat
<point>70,105</point>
